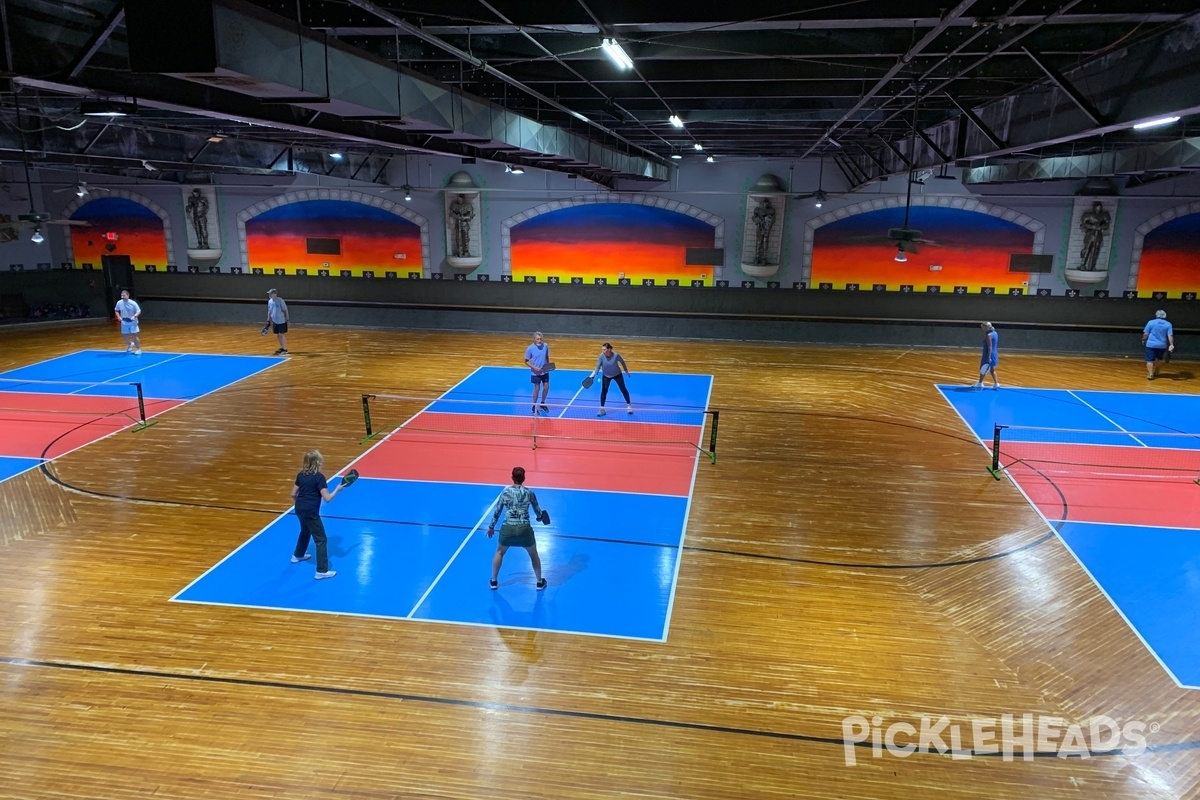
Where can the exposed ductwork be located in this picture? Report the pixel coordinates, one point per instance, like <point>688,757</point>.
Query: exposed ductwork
<point>1164,157</point>
<point>238,47</point>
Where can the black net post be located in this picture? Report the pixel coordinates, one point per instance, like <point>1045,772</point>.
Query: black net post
<point>712,437</point>
<point>995,467</point>
<point>142,424</point>
<point>366,401</point>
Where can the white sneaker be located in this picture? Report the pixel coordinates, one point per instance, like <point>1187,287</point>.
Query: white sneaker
<point>298,559</point>
<point>323,575</point>
<point>601,413</point>
<point>137,351</point>
<point>978,385</point>
<point>629,409</point>
<point>129,349</point>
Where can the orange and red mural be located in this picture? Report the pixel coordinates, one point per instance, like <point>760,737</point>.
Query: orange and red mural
<point>610,241</point>
<point>119,227</point>
<point>1170,259</point>
<point>370,239</point>
<point>965,248</point>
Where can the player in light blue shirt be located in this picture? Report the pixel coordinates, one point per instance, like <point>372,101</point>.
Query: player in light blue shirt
<point>128,311</point>
<point>1159,339</point>
<point>537,356</point>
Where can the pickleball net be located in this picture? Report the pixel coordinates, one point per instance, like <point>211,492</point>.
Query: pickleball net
<point>649,426</point>
<point>1100,455</point>
<point>23,400</point>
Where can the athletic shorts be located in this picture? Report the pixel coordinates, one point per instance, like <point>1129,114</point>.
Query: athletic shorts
<point>130,327</point>
<point>1155,353</point>
<point>539,378</point>
<point>279,327</point>
<point>517,535</point>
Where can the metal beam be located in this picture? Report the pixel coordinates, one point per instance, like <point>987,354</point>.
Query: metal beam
<point>978,123</point>
<point>900,65</point>
<point>97,41</point>
<point>1067,88</point>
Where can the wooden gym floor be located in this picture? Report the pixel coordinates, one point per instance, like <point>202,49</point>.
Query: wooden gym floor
<point>848,554</point>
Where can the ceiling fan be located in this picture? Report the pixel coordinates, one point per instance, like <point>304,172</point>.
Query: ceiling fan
<point>33,217</point>
<point>81,189</point>
<point>820,195</point>
<point>905,237</point>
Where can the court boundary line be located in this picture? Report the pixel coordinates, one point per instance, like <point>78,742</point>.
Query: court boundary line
<point>262,530</point>
<point>429,621</point>
<point>687,514</point>
<point>462,545</point>
<point>1099,587</point>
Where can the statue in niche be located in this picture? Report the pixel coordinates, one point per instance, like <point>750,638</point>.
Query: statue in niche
<point>764,220</point>
<point>462,211</point>
<point>1095,224</point>
<point>197,210</point>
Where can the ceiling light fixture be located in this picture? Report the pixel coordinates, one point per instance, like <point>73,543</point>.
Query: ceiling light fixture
<point>407,193</point>
<point>81,190</point>
<point>37,237</point>
<point>676,156</point>
<point>900,256</point>
<point>614,51</point>
<point>216,137</point>
<point>676,121</point>
<point>710,159</point>
<point>518,170</point>
<point>106,108</point>
<point>1155,123</point>
<point>336,156</point>
<point>698,146</point>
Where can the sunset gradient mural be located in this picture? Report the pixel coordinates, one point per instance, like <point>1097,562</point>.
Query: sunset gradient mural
<point>971,248</point>
<point>139,233</point>
<point>1170,258</point>
<point>608,240</point>
<point>370,238</point>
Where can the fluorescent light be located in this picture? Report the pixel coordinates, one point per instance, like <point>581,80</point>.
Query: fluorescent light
<point>676,156</point>
<point>616,53</point>
<point>336,156</point>
<point>106,108</point>
<point>37,237</point>
<point>676,121</point>
<point>698,146</point>
<point>1155,123</point>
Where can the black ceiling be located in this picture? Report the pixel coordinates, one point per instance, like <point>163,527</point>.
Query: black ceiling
<point>985,82</point>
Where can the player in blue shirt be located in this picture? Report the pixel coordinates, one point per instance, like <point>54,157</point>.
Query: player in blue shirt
<point>537,355</point>
<point>990,356</point>
<point>1159,339</point>
<point>307,494</point>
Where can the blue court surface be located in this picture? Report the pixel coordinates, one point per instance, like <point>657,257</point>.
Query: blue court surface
<point>164,376</point>
<point>416,549</point>
<point>1116,481</point>
<point>54,406</point>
